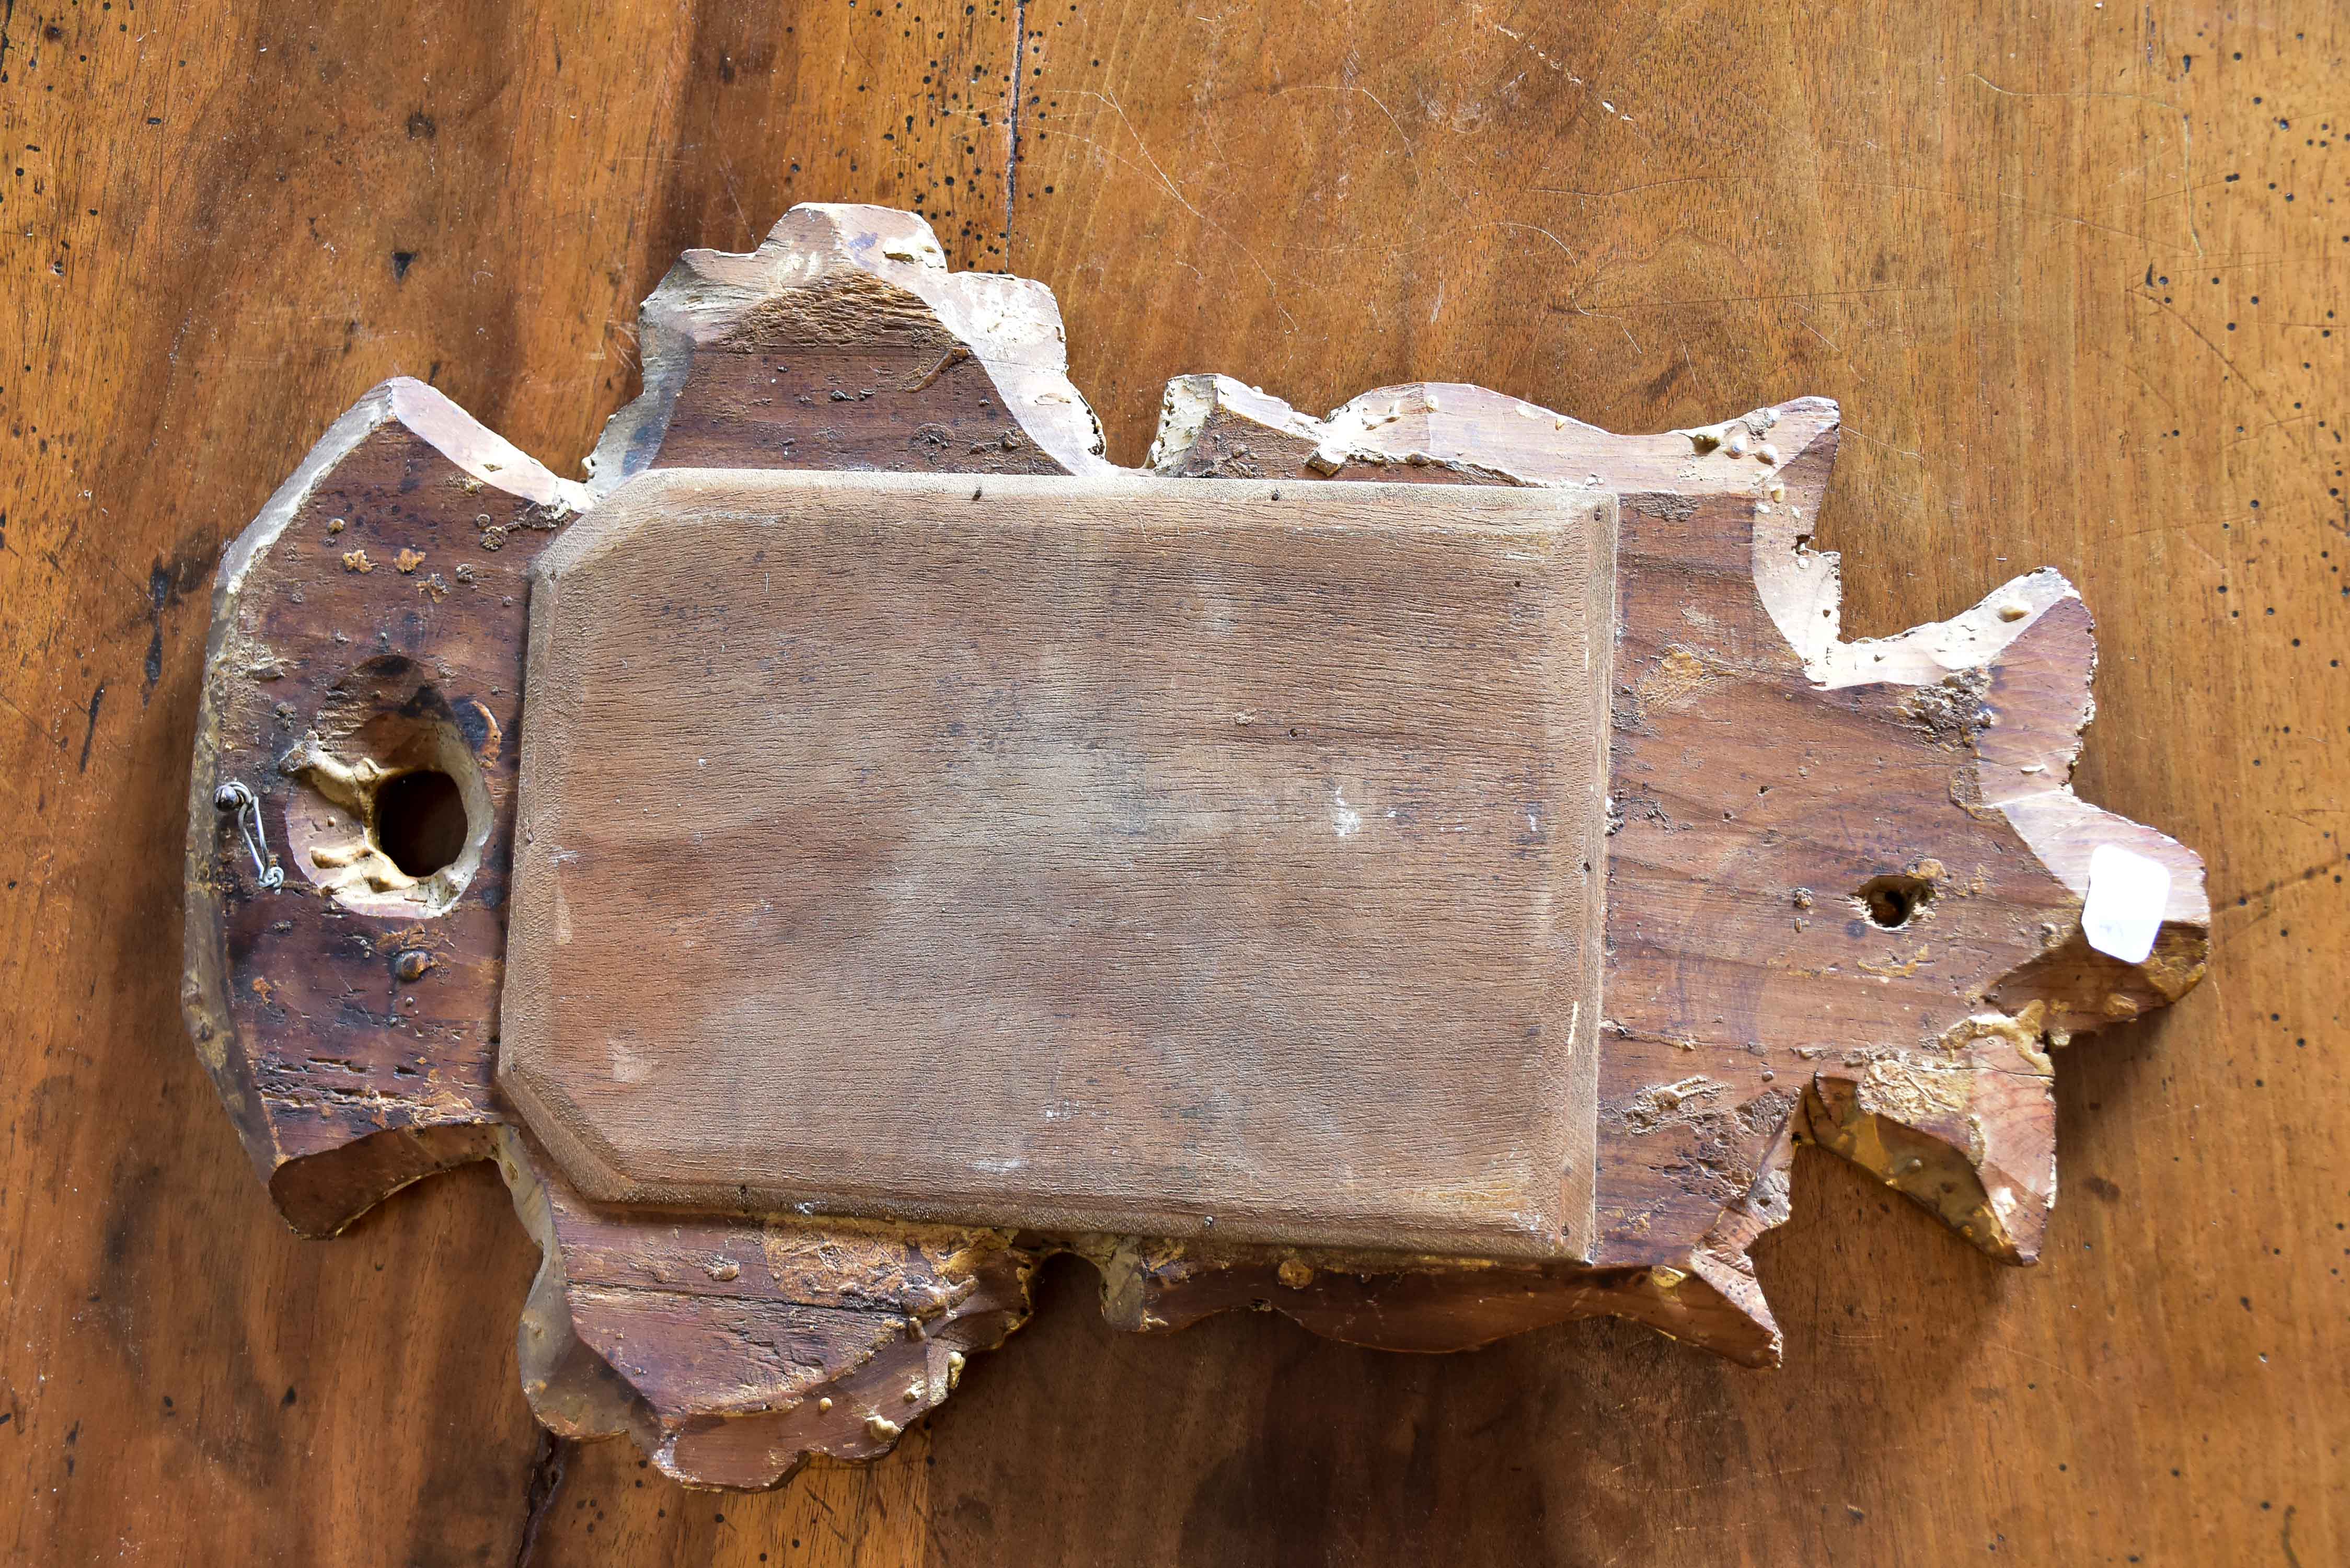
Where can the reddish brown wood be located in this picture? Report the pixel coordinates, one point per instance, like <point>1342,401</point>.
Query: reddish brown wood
<point>734,1348</point>
<point>1919,1054</point>
<point>370,617</point>
<point>1767,777</point>
<point>843,341</point>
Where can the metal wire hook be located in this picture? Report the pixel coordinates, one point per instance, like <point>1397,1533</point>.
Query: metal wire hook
<point>235,795</point>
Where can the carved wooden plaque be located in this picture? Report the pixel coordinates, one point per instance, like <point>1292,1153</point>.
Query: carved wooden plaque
<point>1078,855</point>
<point>1449,846</point>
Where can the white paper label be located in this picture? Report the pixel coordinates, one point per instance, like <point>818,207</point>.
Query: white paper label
<point>2127,894</point>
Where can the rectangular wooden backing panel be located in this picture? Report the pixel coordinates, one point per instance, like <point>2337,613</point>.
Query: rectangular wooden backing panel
<point>1153,857</point>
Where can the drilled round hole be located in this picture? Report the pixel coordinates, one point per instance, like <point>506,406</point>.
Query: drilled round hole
<point>1892,900</point>
<point>420,821</point>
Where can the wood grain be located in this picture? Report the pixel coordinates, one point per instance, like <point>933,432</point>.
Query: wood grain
<point>1961,743</point>
<point>2005,241</point>
<point>374,989</point>
<point>1158,857</point>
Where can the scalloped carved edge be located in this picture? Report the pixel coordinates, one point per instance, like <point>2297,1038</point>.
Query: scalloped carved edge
<point>841,265</point>
<point>1966,1131</point>
<point>1973,1138</point>
<point>734,1349</point>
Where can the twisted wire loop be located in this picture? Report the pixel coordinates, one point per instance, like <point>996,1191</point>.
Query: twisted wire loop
<point>236,797</point>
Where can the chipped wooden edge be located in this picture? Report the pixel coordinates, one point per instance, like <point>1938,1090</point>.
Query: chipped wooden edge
<point>1876,1111</point>
<point>1382,1301</point>
<point>309,1196</point>
<point>1214,426</point>
<point>1991,1178</point>
<point>1781,457</point>
<point>855,1409</point>
<point>1011,325</point>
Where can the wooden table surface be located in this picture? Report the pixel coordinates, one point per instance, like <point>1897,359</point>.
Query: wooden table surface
<point>2073,271</point>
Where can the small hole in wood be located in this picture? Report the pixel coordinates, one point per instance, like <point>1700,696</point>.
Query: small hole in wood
<point>420,821</point>
<point>1891,902</point>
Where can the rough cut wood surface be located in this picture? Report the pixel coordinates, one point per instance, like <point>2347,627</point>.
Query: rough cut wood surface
<point>1141,856</point>
<point>2009,244</point>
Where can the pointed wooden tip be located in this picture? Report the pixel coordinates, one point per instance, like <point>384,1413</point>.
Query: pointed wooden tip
<point>327,674</point>
<point>748,357</point>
